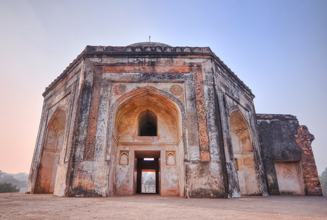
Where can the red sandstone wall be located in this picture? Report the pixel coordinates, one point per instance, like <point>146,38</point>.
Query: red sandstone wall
<point>310,174</point>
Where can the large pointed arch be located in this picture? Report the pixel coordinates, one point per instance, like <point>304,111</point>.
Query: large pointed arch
<point>164,110</point>
<point>55,130</point>
<point>243,153</point>
<point>114,108</point>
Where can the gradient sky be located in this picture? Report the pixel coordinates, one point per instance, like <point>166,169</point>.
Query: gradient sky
<point>278,48</point>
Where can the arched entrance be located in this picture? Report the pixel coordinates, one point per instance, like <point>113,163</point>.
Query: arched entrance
<point>243,154</point>
<point>46,177</point>
<point>148,134</point>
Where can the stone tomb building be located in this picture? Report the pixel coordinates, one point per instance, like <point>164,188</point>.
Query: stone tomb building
<point>183,108</point>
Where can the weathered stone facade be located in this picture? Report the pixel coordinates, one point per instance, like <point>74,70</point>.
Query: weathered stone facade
<point>181,106</point>
<point>287,155</point>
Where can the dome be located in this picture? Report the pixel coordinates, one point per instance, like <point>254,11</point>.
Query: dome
<point>148,44</point>
<point>150,181</point>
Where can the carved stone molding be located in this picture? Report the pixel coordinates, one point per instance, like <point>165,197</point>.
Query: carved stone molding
<point>170,158</point>
<point>120,89</point>
<point>124,157</point>
<point>176,90</point>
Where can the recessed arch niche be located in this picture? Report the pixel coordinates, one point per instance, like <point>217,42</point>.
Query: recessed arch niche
<point>163,130</point>
<point>148,107</point>
<point>243,154</point>
<point>51,153</point>
<point>147,123</point>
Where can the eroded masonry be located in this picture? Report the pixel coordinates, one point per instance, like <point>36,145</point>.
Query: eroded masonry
<point>176,121</point>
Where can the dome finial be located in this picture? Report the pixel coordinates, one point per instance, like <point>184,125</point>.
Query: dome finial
<point>148,44</point>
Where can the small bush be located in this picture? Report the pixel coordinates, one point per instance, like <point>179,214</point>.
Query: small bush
<point>323,182</point>
<point>7,187</point>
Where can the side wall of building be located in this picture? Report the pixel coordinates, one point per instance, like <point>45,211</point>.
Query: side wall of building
<point>287,154</point>
<point>51,162</point>
<point>231,96</point>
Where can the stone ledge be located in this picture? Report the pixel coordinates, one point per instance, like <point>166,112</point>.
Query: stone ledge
<point>275,116</point>
<point>147,49</point>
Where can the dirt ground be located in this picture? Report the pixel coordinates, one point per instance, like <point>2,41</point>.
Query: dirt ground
<point>24,206</point>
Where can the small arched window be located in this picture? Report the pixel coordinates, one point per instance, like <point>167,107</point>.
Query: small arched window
<point>147,123</point>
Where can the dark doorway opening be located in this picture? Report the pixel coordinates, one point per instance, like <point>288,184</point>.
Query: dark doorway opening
<point>147,171</point>
<point>147,123</point>
<point>148,183</point>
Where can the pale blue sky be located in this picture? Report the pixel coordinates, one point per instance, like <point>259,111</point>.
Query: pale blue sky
<point>278,48</point>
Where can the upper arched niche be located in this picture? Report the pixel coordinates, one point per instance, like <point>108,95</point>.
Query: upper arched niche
<point>147,124</point>
<point>243,154</point>
<point>56,128</point>
<point>51,153</point>
<point>152,109</point>
<point>240,133</point>
<point>58,119</point>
